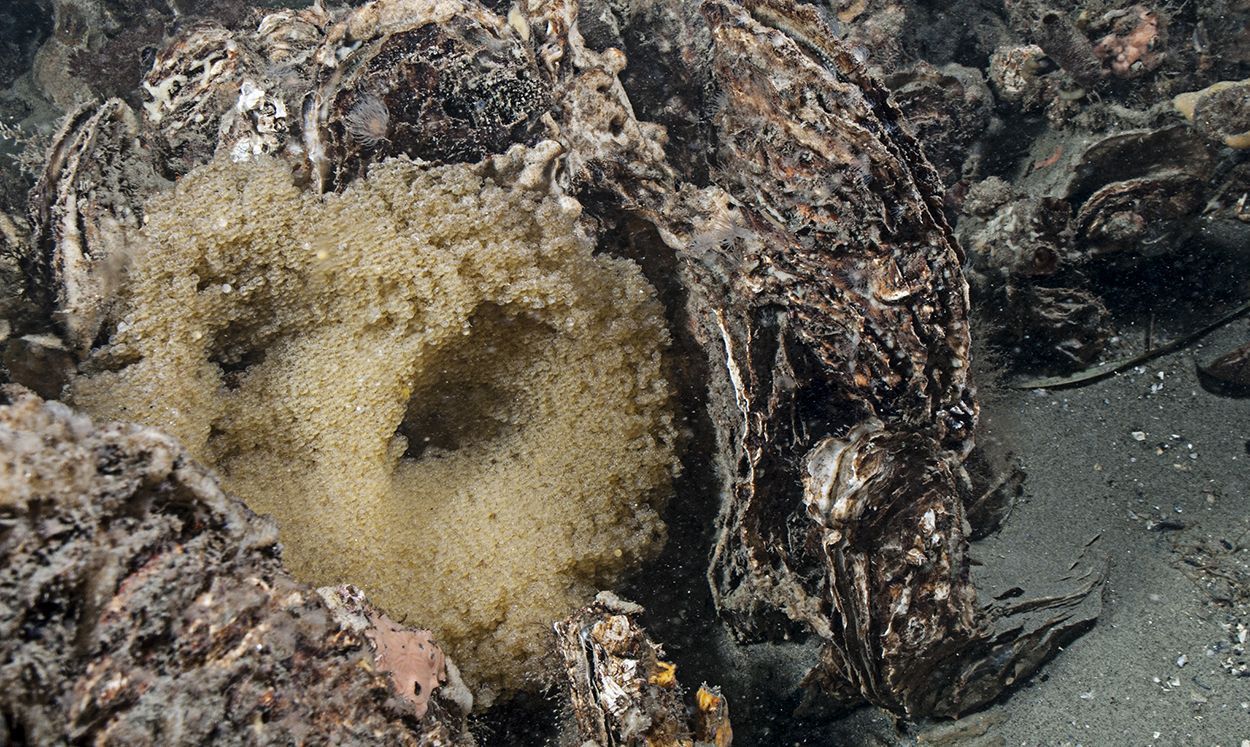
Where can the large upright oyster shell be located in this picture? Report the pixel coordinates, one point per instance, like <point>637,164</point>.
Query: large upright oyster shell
<point>82,208</point>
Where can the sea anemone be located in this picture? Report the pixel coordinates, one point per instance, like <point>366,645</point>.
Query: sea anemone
<point>369,121</point>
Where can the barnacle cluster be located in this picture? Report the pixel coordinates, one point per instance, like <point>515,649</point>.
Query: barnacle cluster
<point>440,391</point>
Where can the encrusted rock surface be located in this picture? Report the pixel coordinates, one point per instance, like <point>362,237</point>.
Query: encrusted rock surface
<point>141,605</point>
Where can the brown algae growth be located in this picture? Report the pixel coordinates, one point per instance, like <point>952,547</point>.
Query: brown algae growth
<point>431,381</point>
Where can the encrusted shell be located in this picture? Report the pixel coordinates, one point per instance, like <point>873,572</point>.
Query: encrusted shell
<point>191,84</point>
<point>83,207</point>
<point>1143,214</point>
<point>392,82</point>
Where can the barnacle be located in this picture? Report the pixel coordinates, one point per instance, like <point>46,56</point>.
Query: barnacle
<point>429,379</point>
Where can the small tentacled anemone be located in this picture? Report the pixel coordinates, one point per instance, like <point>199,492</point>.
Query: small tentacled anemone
<point>369,121</point>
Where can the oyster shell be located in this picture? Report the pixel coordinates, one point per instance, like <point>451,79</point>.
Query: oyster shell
<point>1071,325</point>
<point>839,315</point>
<point>85,203</point>
<point>142,605</point>
<point>808,252</point>
<point>623,691</point>
<point>950,109</point>
<point>451,83</point>
<point>192,83</point>
<point>1144,214</point>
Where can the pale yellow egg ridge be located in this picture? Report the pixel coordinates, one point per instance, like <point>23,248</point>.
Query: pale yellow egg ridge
<point>439,390</point>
